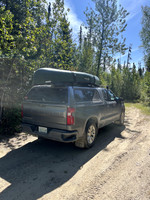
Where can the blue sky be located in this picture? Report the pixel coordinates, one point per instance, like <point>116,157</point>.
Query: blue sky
<point>76,17</point>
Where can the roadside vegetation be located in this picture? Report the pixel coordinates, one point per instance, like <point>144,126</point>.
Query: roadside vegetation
<point>144,108</point>
<point>35,34</point>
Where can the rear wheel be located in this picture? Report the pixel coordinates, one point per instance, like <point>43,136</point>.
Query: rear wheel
<point>41,138</point>
<point>89,137</point>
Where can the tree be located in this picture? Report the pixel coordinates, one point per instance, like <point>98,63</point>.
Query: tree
<point>129,55</point>
<point>109,23</point>
<point>135,84</point>
<point>64,48</point>
<point>116,81</point>
<point>31,37</point>
<point>145,88</point>
<point>6,29</point>
<point>80,38</point>
<point>86,47</point>
<point>145,35</point>
<point>57,46</point>
<point>86,57</point>
<point>19,26</point>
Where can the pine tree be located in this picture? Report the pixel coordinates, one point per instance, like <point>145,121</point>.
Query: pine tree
<point>80,38</point>
<point>86,47</point>
<point>86,57</point>
<point>109,23</point>
<point>62,51</point>
<point>129,55</point>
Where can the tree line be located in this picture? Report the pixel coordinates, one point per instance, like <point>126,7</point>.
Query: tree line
<point>35,34</point>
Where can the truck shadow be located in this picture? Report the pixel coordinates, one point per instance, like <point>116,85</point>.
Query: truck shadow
<point>42,166</point>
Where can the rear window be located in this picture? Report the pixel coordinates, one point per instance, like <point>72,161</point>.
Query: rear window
<point>48,94</point>
<point>82,95</point>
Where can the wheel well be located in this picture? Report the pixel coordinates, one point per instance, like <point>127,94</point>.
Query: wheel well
<point>93,119</point>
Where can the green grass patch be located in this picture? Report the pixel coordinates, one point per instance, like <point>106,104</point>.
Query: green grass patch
<point>144,108</point>
<point>129,105</point>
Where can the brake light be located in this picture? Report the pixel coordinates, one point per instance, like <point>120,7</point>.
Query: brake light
<point>22,111</point>
<point>70,117</point>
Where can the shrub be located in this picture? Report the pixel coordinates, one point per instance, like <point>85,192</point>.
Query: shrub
<point>11,121</point>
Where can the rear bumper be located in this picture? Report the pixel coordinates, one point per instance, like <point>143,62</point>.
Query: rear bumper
<point>52,134</point>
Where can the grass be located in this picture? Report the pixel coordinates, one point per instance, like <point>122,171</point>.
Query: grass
<point>145,109</point>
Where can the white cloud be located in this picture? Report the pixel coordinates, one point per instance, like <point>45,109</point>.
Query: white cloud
<point>75,22</point>
<point>132,6</point>
<point>118,56</point>
<point>136,56</point>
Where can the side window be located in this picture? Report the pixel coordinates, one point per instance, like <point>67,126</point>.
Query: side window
<point>111,96</point>
<point>96,96</point>
<point>88,94</point>
<point>83,95</point>
<point>79,97</point>
<point>108,95</point>
<point>105,94</point>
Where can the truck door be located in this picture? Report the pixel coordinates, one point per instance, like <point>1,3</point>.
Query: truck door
<point>111,105</point>
<point>114,105</point>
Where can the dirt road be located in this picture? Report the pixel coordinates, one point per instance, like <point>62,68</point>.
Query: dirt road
<point>116,168</point>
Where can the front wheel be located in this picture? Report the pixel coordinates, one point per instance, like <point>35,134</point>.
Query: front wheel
<point>122,117</point>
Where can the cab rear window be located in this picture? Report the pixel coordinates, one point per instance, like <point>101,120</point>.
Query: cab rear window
<point>48,94</point>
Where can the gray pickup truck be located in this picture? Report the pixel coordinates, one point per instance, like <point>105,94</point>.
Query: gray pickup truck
<point>70,113</point>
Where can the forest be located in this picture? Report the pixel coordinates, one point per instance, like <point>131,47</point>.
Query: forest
<point>37,33</point>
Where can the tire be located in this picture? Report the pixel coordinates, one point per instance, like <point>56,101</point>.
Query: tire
<point>41,138</point>
<point>121,120</point>
<point>89,136</point>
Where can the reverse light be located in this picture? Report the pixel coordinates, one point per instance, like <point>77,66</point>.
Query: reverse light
<point>70,117</point>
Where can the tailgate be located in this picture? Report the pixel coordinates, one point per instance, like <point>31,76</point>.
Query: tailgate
<point>45,114</point>
<point>46,106</point>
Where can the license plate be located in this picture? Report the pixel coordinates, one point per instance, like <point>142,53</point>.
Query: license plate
<point>42,129</point>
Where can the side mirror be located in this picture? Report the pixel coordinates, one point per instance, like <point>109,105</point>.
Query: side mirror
<point>119,99</point>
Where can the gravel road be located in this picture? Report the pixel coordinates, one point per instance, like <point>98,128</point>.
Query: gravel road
<point>116,168</point>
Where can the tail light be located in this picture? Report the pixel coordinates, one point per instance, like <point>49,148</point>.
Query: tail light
<point>22,110</point>
<point>70,117</point>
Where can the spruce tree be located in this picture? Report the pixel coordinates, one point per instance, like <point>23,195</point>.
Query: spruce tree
<point>62,50</point>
